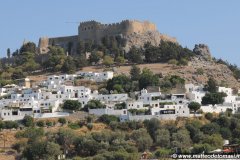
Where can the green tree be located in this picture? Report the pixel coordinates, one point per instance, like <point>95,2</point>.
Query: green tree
<point>66,138</point>
<point>40,123</point>
<point>80,47</point>
<point>94,58</point>
<point>103,91</point>
<point>163,152</point>
<point>194,106</point>
<point>108,118</point>
<point>69,65</point>
<point>28,47</point>
<point>24,57</point>
<point>224,121</point>
<point>214,140</point>
<point>209,116</point>
<point>28,121</point>
<point>56,58</point>
<point>211,85</point>
<point>69,47</point>
<point>135,73</point>
<point>18,74</point>
<point>120,84</point>
<point>176,80</point>
<point>20,146</point>
<point>35,150</point>
<point>226,133</point>
<point>182,62</point>
<point>2,125</point>
<point>181,139</point>
<point>107,60</point>
<point>10,124</point>
<point>210,128</point>
<point>41,149</point>
<point>142,139</point>
<point>27,61</point>
<point>15,53</point>
<point>62,120</point>
<point>80,61</point>
<point>194,130</point>
<point>31,133</point>
<point>173,62</point>
<point>94,104</point>
<point>201,148</point>
<point>152,126</point>
<point>120,60</point>
<point>152,53</point>
<point>88,45</point>
<point>135,55</point>
<point>8,53</point>
<point>72,105</point>
<point>162,138</point>
<point>213,98</point>
<point>52,150</point>
<point>147,78</point>
<point>167,51</point>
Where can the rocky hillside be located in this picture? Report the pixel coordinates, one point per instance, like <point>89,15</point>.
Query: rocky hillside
<point>139,39</point>
<point>198,70</point>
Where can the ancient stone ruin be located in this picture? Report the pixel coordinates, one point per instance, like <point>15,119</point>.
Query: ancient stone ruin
<point>135,32</point>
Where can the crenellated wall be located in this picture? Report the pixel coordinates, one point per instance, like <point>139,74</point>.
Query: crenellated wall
<point>140,31</point>
<point>92,30</point>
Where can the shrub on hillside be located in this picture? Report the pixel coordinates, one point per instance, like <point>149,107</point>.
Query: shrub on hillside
<point>108,118</point>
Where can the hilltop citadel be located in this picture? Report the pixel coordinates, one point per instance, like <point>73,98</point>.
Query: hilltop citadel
<point>94,31</point>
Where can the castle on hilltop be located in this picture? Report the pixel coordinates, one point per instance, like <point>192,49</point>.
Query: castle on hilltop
<point>95,31</point>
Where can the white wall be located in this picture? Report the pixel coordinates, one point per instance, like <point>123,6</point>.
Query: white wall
<point>148,97</point>
<point>135,105</point>
<point>108,111</point>
<point>112,97</point>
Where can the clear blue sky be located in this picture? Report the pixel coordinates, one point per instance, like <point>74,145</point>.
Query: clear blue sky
<point>213,22</point>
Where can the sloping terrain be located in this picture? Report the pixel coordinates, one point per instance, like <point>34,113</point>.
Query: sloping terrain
<point>190,73</point>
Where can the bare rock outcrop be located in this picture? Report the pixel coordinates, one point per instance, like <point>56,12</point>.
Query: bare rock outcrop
<point>202,50</point>
<point>139,39</point>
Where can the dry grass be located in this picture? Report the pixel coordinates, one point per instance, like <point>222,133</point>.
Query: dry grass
<point>7,156</point>
<point>155,68</point>
<point>8,137</point>
<point>186,72</point>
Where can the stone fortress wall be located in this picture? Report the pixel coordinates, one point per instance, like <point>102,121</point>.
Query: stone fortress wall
<point>95,31</point>
<point>45,42</point>
<point>92,30</point>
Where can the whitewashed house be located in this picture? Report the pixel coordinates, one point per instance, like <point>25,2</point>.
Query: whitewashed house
<point>146,97</point>
<point>195,93</point>
<point>178,110</point>
<point>96,76</point>
<point>132,104</point>
<point>3,92</point>
<point>230,98</point>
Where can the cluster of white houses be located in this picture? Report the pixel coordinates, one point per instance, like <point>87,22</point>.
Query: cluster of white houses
<point>45,100</point>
